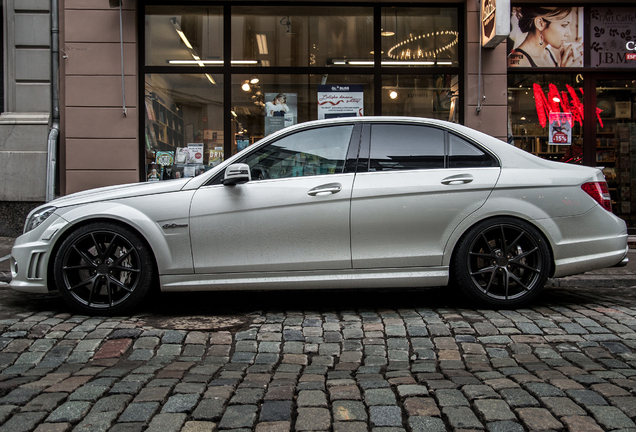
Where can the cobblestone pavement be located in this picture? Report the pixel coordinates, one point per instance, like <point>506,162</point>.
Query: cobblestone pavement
<point>382,361</point>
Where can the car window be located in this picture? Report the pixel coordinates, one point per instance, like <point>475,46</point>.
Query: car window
<point>462,154</point>
<point>405,147</point>
<point>309,152</point>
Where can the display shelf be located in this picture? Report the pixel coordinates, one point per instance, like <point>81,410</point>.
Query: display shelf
<point>165,125</point>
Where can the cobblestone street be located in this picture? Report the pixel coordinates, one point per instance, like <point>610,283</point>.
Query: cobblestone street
<point>403,360</point>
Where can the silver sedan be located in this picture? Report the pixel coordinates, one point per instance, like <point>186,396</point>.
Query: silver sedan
<point>349,203</point>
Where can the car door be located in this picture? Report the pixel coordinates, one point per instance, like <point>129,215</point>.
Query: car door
<point>421,183</point>
<point>293,215</point>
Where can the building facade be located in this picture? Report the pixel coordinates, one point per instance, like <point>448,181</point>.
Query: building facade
<point>26,114</point>
<point>152,90</point>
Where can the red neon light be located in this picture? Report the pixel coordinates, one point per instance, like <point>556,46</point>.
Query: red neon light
<point>556,102</point>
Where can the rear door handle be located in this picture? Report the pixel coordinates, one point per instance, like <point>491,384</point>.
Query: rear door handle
<point>331,188</point>
<point>458,179</point>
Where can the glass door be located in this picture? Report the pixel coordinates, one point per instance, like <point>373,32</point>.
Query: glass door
<point>615,139</point>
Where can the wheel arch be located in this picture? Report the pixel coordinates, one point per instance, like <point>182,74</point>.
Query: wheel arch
<point>69,229</point>
<point>456,238</point>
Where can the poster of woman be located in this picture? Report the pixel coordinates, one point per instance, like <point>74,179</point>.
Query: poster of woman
<point>280,111</point>
<point>276,105</point>
<point>546,37</point>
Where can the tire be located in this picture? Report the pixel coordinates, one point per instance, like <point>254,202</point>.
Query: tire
<point>103,268</point>
<point>502,262</point>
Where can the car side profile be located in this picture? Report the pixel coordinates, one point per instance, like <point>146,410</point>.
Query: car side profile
<point>367,202</point>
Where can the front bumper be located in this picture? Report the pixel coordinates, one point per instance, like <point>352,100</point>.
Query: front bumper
<point>31,255</point>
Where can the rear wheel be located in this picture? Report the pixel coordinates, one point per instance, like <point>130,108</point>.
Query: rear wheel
<point>103,268</point>
<point>502,262</point>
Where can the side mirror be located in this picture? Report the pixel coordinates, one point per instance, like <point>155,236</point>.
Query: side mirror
<point>237,174</point>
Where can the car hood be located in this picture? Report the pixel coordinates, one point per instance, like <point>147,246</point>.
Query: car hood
<point>120,191</point>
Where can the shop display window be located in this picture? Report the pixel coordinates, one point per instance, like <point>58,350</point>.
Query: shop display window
<point>202,108</point>
<point>432,96</point>
<point>183,124</point>
<point>302,36</point>
<point>616,141</point>
<point>546,114</point>
<point>265,103</point>
<point>419,37</point>
<point>184,36</point>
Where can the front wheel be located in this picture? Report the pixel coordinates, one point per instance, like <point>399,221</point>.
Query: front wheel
<point>103,268</point>
<point>502,262</point>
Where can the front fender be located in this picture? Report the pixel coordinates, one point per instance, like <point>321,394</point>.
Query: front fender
<point>165,228</point>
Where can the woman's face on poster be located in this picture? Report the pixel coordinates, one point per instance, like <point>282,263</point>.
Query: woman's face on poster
<point>556,29</point>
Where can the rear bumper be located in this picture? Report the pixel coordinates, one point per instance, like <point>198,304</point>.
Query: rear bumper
<point>623,263</point>
<point>595,240</point>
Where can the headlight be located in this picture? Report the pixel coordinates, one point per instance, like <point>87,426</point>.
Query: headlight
<point>37,218</point>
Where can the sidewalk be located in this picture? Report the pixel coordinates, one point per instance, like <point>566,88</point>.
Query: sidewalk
<point>614,277</point>
<point>5,249</point>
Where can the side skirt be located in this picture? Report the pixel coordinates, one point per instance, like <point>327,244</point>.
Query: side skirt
<point>364,278</point>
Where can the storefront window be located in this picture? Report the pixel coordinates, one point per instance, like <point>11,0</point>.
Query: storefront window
<point>616,141</point>
<point>265,103</point>
<point>302,36</point>
<point>183,124</point>
<point>191,111</point>
<point>184,36</point>
<point>433,96</point>
<point>419,37</point>
<point>546,114</point>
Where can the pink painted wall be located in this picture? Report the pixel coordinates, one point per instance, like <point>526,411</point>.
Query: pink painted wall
<point>493,118</point>
<point>99,146</point>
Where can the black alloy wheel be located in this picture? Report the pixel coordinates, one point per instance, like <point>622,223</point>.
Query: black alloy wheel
<point>502,262</point>
<point>103,268</point>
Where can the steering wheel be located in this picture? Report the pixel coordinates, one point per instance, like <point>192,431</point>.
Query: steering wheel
<point>259,172</point>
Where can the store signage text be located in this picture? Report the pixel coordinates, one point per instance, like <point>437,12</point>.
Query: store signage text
<point>488,20</point>
<point>495,22</point>
<point>615,58</point>
<point>617,18</point>
<point>612,31</point>
<point>631,46</point>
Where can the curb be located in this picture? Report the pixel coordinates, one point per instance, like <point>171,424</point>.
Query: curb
<point>5,277</point>
<point>605,281</point>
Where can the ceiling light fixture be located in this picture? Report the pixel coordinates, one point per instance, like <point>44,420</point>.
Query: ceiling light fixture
<point>287,22</point>
<point>410,48</point>
<point>200,62</point>
<point>177,28</point>
<point>388,62</point>
<point>261,41</point>
<point>246,86</point>
<point>197,59</point>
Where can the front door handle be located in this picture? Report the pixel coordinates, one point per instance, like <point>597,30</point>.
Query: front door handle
<point>458,179</point>
<point>331,188</point>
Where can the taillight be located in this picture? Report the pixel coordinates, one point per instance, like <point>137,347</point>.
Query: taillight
<point>600,193</point>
